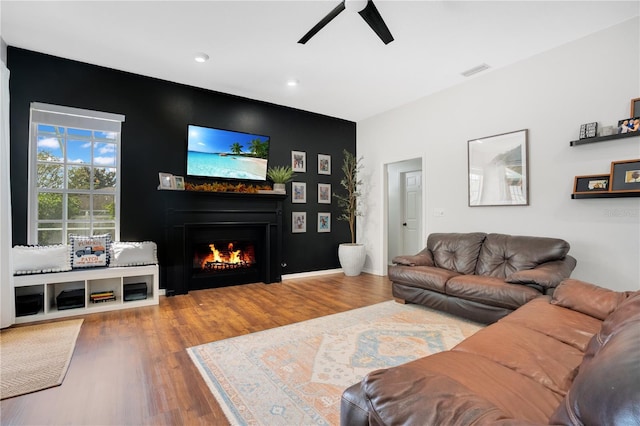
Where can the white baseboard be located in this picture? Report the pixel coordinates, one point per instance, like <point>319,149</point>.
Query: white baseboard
<point>311,274</point>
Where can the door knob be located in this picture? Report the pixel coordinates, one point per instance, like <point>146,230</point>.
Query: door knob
<point>404,224</point>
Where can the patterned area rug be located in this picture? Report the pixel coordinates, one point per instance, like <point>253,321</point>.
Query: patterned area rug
<point>295,374</point>
<point>36,357</point>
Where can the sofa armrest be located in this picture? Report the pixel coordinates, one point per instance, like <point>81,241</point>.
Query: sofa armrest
<point>424,258</point>
<point>587,298</point>
<point>547,275</point>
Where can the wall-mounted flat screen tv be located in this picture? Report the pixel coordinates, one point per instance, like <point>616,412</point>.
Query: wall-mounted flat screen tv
<point>225,154</point>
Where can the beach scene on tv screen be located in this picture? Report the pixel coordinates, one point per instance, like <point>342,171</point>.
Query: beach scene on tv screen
<point>226,154</point>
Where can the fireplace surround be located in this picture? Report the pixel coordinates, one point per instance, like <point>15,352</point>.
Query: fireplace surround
<point>230,222</point>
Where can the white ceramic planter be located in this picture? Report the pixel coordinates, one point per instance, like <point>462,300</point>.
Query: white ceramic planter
<point>280,187</point>
<point>352,257</point>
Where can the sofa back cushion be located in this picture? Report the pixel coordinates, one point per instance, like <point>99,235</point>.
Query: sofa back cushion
<point>456,252</point>
<point>502,255</point>
<point>606,391</point>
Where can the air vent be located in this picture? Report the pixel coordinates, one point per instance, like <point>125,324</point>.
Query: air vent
<point>475,70</point>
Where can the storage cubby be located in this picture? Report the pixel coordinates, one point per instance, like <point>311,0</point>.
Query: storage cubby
<point>30,301</point>
<point>30,289</point>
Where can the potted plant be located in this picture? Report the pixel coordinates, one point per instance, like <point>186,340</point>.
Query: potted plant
<point>352,256</point>
<point>280,175</point>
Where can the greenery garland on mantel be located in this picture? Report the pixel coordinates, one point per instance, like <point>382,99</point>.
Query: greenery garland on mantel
<point>226,187</point>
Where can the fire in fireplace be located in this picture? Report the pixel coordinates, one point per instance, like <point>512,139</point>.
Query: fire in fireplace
<point>223,256</point>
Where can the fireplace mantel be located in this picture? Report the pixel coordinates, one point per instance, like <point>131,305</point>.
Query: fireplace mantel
<point>185,210</point>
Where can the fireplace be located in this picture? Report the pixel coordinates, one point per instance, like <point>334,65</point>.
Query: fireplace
<point>224,254</point>
<point>216,240</point>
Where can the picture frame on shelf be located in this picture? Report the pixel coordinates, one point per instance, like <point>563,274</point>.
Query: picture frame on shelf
<point>299,192</point>
<point>299,161</point>
<point>324,222</point>
<point>178,183</point>
<point>589,130</point>
<point>166,181</point>
<point>625,175</point>
<point>591,183</point>
<point>493,160</point>
<point>298,222</point>
<point>635,107</point>
<point>629,125</point>
<point>324,193</point>
<point>324,164</point>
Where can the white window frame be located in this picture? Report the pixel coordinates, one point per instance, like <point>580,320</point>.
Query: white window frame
<point>69,117</point>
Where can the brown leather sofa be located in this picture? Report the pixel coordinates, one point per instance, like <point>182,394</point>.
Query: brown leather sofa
<point>479,276</point>
<point>568,359</point>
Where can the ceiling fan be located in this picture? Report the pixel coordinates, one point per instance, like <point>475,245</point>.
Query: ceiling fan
<point>369,13</point>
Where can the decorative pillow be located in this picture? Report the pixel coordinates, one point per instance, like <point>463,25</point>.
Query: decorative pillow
<point>89,251</point>
<point>40,259</point>
<point>133,253</point>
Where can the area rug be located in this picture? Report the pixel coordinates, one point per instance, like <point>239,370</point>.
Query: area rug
<point>295,374</point>
<point>36,357</point>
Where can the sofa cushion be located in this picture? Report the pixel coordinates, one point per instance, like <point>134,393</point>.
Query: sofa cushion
<point>456,252</point>
<point>519,348</point>
<point>426,277</point>
<point>446,387</point>
<point>490,291</point>
<point>587,298</point>
<point>568,326</point>
<point>502,255</point>
<point>606,391</point>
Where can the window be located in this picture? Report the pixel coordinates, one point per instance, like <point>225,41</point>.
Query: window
<point>74,176</point>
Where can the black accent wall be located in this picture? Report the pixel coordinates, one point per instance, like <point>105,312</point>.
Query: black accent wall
<point>154,140</point>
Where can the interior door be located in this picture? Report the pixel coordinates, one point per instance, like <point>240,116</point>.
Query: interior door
<point>412,211</point>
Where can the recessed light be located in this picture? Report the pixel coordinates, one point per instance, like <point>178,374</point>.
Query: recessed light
<point>201,57</point>
<point>293,83</point>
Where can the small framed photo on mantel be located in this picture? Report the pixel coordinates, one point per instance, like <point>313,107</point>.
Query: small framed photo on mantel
<point>166,181</point>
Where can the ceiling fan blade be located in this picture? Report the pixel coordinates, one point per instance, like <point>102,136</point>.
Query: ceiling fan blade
<point>324,21</point>
<point>372,17</point>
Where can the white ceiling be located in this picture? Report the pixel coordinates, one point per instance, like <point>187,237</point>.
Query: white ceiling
<point>344,71</point>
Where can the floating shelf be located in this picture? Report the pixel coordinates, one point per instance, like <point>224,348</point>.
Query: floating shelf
<point>612,194</point>
<point>603,139</point>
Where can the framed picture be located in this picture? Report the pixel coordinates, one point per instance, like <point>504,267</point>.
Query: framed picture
<point>178,183</point>
<point>166,181</point>
<point>298,222</point>
<point>324,164</point>
<point>324,193</point>
<point>625,175</point>
<point>299,161</point>
<point>635,107</point>
<point>498,170</point>
<point>324,222</point>
<point>593,183</point>
<point>588,130</point>
<point>299,192</point>
<point>629,125</point>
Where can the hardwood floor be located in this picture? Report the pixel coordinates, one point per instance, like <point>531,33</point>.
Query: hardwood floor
<point>130,367</point>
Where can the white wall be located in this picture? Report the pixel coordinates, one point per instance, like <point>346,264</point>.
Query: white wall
<point>551,94</point>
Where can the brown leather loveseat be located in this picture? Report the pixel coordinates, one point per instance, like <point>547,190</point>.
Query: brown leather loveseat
<point>481,276</point>
<point>568,359</point>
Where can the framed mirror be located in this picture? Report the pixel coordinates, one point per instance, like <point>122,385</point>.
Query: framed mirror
<point>498,170</point>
